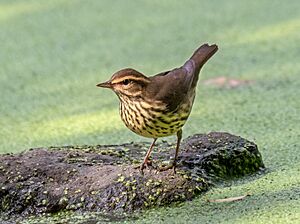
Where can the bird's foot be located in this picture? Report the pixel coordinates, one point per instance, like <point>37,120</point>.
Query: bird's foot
<point>145,164</point>
<point>168,167</point>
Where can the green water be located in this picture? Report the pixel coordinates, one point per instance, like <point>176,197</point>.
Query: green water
<point>53,53</point>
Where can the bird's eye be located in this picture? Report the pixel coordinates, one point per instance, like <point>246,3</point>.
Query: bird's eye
<point>126,82</point>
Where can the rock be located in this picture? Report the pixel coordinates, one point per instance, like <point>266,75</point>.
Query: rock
<point>102,178</point>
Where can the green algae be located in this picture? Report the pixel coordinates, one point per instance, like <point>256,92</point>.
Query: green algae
<point>258,41</point>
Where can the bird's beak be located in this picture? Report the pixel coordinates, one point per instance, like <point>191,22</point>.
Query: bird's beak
<point>105,84</point>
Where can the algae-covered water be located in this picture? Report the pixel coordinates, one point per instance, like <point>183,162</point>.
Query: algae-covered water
<point>54,53</point>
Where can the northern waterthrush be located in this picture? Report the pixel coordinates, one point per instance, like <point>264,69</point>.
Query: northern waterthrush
<point>159,106</point>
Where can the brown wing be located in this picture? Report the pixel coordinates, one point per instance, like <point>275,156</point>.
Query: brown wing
<point>170,87</point>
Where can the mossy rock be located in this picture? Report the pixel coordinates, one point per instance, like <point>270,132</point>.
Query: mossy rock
<point>102,178</point>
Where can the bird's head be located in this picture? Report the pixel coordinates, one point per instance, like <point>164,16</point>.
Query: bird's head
<point>128,82</point>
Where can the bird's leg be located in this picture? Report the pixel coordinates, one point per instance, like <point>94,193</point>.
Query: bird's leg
<point>173,165</point>
<point>179,136</point>
<point>146,159</point>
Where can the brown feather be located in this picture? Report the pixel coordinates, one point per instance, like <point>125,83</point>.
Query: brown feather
<point>174,86</point>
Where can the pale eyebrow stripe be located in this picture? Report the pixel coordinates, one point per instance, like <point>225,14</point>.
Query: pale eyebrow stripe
<point>130,78</point>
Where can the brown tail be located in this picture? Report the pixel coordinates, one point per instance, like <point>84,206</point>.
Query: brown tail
<point>198,59</point>
<point>202,54</point>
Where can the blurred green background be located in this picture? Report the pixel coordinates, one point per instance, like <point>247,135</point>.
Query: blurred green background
<point>53,53</point>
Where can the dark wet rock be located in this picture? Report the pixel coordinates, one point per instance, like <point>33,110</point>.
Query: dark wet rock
<point>102,178</point>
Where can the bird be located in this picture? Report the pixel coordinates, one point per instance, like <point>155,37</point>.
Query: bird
<point>159,105</point>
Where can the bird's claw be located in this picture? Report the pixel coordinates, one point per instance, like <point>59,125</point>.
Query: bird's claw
<point>145,164</point>
<point>168,167</point>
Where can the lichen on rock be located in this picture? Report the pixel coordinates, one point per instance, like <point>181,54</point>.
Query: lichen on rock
<point>102,178</point>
